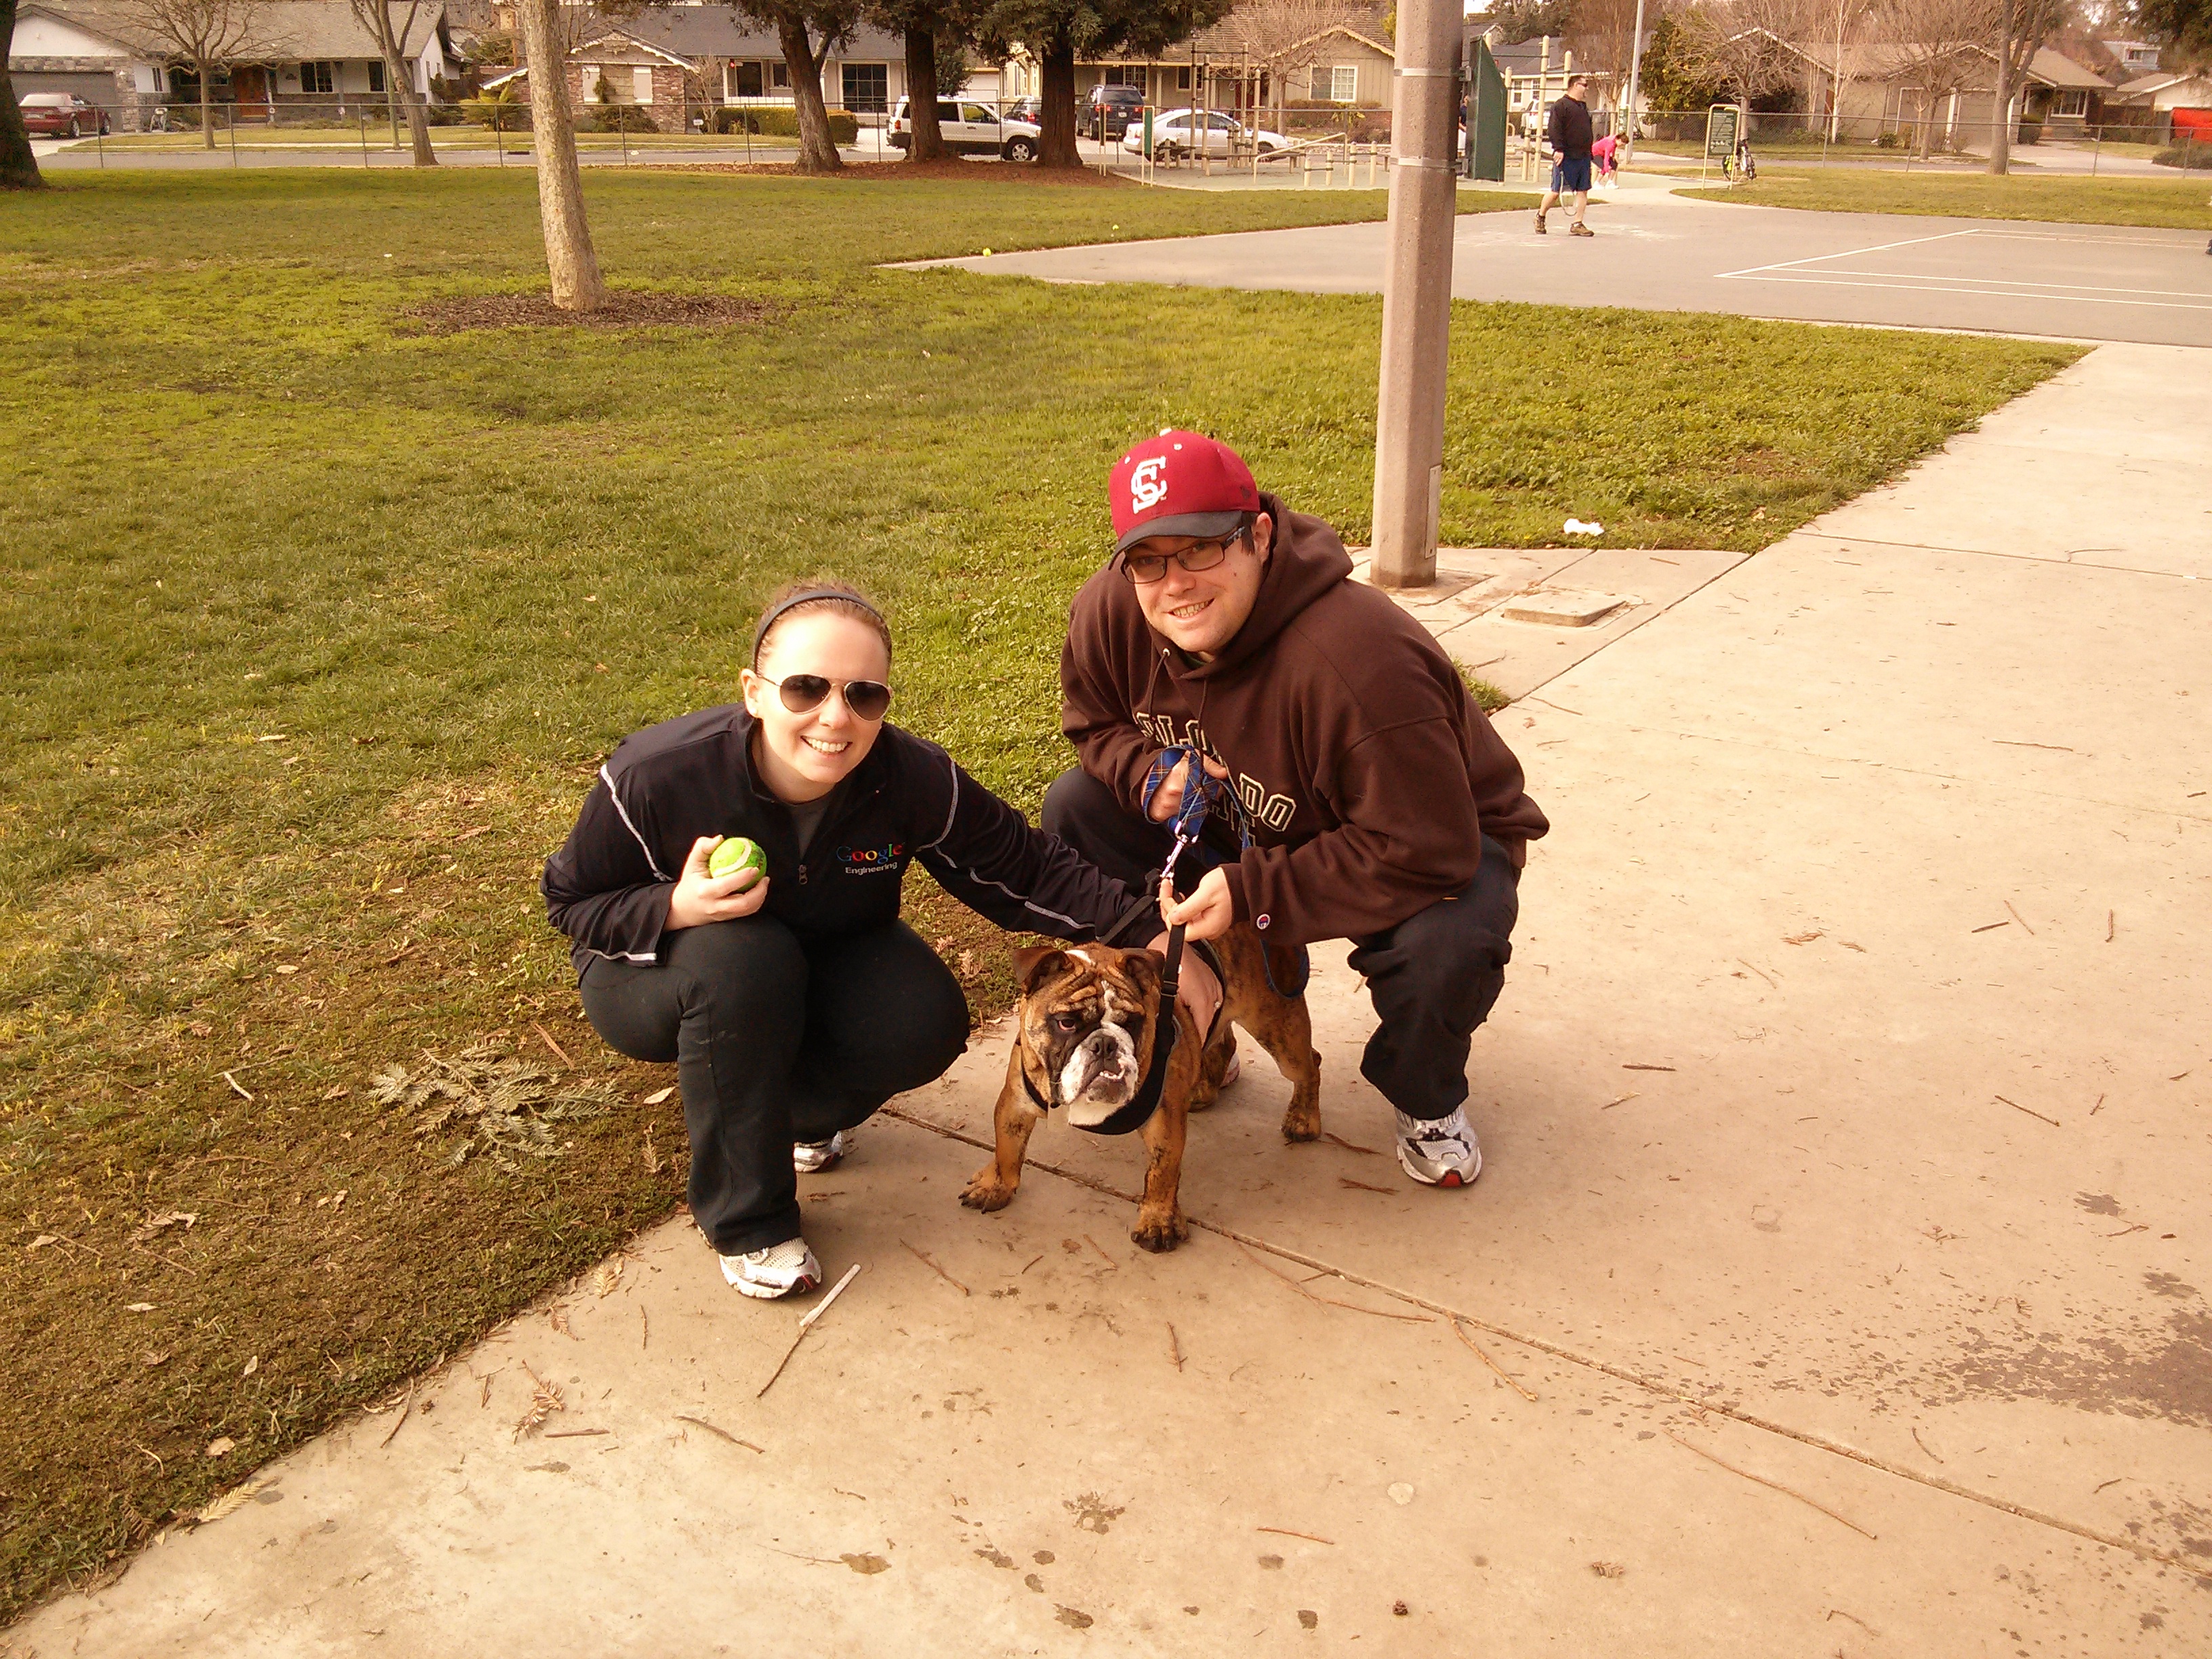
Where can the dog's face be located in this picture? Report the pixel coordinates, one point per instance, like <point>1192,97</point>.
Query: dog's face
<point>1087,1020</point>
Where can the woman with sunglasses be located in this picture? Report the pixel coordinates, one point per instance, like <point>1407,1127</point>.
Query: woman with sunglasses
<point>794,1003</point>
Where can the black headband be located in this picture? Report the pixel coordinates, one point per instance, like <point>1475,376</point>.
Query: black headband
<point>808,597</point>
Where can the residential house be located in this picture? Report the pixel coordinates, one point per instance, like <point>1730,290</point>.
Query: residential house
<point>301,59</point>
<point>1217,68</point>
<point>676,63</point>
<point>1886,89</point>
<point>2173,104</point>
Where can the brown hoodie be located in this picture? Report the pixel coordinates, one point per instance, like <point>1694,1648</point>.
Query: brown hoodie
<point>1368,774</point>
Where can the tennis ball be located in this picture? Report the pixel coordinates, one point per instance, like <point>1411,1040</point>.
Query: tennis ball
<point>734,854</point>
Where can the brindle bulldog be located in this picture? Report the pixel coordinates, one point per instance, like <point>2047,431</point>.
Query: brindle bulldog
<point>1083,1044</point>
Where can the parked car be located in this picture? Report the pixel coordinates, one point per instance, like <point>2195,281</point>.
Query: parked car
<point>1030,110</point>
<point>1107,113</point>
<point>970,128</point>
<point>1179,132</point>
<point>61,114</point>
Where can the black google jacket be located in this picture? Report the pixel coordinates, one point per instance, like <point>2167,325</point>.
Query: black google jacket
<point>665,787</point>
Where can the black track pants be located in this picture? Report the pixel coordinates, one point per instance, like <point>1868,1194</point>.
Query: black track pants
<point>777,1038</point>
<point>1434,977</point>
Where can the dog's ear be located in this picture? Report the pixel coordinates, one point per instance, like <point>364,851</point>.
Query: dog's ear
<point>1037,964</point>
<point>1146,968</point>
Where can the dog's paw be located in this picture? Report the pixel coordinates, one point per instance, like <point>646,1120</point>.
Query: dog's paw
<point>1301,1122</point>
<point>1159,1234</point>
<point>985,1191</point>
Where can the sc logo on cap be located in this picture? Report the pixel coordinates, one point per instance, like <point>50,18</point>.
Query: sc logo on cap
<point>1147,488</point>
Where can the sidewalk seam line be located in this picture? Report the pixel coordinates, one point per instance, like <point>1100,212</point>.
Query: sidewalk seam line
<point>1804,1437</point>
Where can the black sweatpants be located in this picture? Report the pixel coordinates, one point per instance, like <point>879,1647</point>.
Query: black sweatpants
<point>1434,977</point>
<point>777,1038</point>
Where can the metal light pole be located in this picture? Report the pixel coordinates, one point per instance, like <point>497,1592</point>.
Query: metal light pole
<point>1409,426</point>
<point>1635,74</point>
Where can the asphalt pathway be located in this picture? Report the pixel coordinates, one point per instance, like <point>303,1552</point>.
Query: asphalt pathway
<point>1657,251</point>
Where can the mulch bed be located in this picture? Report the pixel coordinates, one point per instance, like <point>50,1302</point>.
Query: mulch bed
<point>899,172</point>
<point>625,308</point>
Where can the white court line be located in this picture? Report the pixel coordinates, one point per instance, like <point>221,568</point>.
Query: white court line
<point>2022,281</point>
<point>1986,292</point>
<point>1848,253</point>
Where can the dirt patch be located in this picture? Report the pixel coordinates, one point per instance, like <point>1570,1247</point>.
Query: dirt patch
<point>966,172</point>
<point>625,308</point>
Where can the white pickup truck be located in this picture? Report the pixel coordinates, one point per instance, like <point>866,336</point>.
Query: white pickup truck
<point>970,127</point>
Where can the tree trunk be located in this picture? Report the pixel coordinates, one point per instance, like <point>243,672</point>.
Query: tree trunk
<point>926,142</point>
<point>2000,137</point>
<point>418,124</point>
<point>19,168</point>
<point>817,152</point>
<point>207,105</point>
<point>569,260</point>
<point>1056,106</point>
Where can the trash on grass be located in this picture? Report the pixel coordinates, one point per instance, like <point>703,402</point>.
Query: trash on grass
<point>1577,527</point>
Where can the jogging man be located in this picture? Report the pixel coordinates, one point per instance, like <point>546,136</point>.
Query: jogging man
<point>1567,137</point>
<point>1381,807</point>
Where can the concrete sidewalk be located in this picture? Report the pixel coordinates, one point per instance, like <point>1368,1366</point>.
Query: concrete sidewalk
<point>1834,1285</point>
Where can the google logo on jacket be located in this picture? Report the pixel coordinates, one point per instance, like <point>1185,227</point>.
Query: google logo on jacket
<point>860,858</point>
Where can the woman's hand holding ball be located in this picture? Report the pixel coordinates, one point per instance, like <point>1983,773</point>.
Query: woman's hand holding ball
<point>701,897</point>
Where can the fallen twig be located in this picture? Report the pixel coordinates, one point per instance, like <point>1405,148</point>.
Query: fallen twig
<point>701,1422</point>
<point>924,1257</point>
<point>1762,972</point>
<point>1622,1101</point>
<point>1102,1256</point>
<point>2017,1107</point>
<point>805,1325</point>
<point>406,1405</point>
<point>2093,1110</point>
<point>549,1043</point>
<point>1764,1481</point>
<point>1476,1350</point>
<point>1330,1301</point>
<point>543,1404</point>
<point>2114,1481</point>
<point>573,1434</point>
<point>1032,1262</point>
<point>1637,1066</point>
<point>2140,1227</point>
<point>1990,926</point>
<point>1175,1346</point>
<point>1286,1532</point>
<point>2017,743</point>
<point>2111,923</point>
<point>1338,1141</point>
<point>2021,918</point>
<point>1923,1445</point>
<point>1365,1186</point>
<point>238,1087</point>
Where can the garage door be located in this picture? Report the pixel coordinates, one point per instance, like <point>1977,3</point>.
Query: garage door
<point>93,88</point>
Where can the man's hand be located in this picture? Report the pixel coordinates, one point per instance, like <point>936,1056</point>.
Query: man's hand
<point>1197,989</point>
<point>698,898</point>
<point>1167,799</point>
<point>1206,913</point>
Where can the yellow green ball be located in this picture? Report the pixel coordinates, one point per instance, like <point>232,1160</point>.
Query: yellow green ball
<point>736,855</point>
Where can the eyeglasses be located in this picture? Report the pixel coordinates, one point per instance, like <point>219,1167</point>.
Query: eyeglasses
<point>802,694</point>
<point>1146,569</point>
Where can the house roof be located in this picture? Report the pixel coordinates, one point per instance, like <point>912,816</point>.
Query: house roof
<point>281,29</point>
<point>1881,62</point>
<point>2144,85</point>
<point>2056,69</point>
<point>695,33</point>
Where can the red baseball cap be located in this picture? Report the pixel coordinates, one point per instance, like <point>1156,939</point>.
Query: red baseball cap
<point>1179,483</point>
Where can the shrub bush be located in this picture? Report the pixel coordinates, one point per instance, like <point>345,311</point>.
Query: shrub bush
<point>1888,140</point>
<point>615,117</point>
<point>2031,132</point>
<point>773,121</point>
<point>2195,158</point>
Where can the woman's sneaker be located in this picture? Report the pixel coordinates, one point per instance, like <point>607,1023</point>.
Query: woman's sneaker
<point>785,1269</point>
<point>813,1156</point>
<point>1440,1151</point>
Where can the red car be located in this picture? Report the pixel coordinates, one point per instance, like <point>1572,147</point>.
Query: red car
<point>61,115</point>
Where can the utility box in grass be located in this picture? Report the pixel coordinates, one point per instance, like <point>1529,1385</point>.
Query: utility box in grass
<point>1484,90</point>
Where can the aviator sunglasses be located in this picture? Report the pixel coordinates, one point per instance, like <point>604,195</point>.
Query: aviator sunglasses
<point>802,694</point>
<point>1143,569</point>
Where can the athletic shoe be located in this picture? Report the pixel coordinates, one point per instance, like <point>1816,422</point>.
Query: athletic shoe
<point>1580,230</point>
<point>813,1156</point>
<point>1539,225</point>
<point>1439,1152</point>
<point>785,1269</point>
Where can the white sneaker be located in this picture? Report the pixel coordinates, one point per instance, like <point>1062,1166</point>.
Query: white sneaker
<point>785,1269</point>
<point>1439,1152</point>
<point>813,1156</point>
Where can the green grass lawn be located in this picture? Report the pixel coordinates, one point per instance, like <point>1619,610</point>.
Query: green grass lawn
<point>2167,202</point>
<point>260,135</point>
<point>314,630</point>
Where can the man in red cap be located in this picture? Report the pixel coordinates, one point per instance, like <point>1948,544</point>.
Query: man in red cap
<point>1379,804</point>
